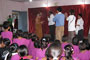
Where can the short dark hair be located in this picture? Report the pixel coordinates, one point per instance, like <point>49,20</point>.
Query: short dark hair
<point>19,33</point>
<point>37,44</point>
<point>59,9</point>
<point>6,24</point>
<point>23,51</point>
<point>6,41</point>
<point>64,38</point>
<point>34,38</point>
<point>25,35</point>
<point>75,41</point>
<point>82,46</point>
<point>13,47</point>
<point>50,12</point>
<point>80,15</point>
<point>72,11</point>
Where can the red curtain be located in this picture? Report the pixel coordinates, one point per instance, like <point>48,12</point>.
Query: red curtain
<point>84,9</point>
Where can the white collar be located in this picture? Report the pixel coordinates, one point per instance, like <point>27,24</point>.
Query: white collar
<point>14,53</point>
<point>59,12</point>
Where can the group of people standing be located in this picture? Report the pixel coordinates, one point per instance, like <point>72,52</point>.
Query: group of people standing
<point>58,20</point>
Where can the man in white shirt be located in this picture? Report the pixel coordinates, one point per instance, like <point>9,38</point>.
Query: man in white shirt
<point>79,27</point>
<point>71,25</point>
<point>51,25</point>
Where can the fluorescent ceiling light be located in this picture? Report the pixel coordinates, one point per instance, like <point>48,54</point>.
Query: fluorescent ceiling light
<point>30,0</point>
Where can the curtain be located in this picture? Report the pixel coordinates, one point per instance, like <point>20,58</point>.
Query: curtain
<point>84,9</point>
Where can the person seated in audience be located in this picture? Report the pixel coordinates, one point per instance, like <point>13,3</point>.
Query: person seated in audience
<point>1,46</point>
<point>40,51</point>
<point>84,53</point>
<point>75,43</point>
<point>31,45</point>
<point>13,55</point>
<point>23,53</point>
<point>20,40</point>
<point>86,41</point>
<point>36,46</point>
<point>58,42</point>
<point>64,41</point>
<point>6,33</point>
<point>68,49</point>
<point>4,49</point>
<point>48,41</point>
<point>26,36</point>
<point>54,52</point>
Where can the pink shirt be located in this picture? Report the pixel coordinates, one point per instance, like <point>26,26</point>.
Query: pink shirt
<point>21,41</point>
<point>7,34</point>
<point>40,53</point>
<point>84,55</point>
<point>76,50</point>
<point>15,57</point>
<point>31,47</point>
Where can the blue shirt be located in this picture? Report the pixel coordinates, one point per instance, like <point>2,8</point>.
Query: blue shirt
<point>59,19</point>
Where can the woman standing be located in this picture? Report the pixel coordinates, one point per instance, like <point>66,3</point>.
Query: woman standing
<point>38,25</point>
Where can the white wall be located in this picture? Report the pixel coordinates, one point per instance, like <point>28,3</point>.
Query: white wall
<point>55,3</point>
<point>6,8</point>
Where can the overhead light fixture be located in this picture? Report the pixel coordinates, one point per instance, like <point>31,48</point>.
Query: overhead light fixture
<point>30,0</point>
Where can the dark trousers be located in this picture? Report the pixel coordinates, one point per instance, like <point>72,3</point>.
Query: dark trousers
<point>52,32</point>
<point>11,28</point>
<point>80,35</point>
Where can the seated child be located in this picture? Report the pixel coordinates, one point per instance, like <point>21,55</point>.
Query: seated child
<point>6,33</point>
<point>20,40</point>
<point>75,43</point>
<point>84,53</point>
<point>23,53</point>
<point>4,49</point>
<point>68,49</point>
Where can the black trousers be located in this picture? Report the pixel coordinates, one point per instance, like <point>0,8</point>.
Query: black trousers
<point>52,32</point>
<point>80,34</point>
<point>11,28</point>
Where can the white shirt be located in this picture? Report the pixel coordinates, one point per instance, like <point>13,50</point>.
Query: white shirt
<point>71,23</point>
<point>80,22</point>
<point>50,20</point>
<point>59,12</point>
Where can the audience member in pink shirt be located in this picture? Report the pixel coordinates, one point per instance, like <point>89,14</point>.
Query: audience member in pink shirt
<point>76,49</point>
<point>6,33</point>
<point>20,40</point>
<point>23,53</point>
<point>41,48</point>
<point>84,53</point>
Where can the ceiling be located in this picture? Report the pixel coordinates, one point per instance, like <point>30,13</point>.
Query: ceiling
<point>26,0</point>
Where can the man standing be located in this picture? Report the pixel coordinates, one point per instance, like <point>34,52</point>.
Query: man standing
<point>71,24</point>
<point>59,19</point>
<point>79,27</point>
<point>10,21</point>
<point>51,24</point>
